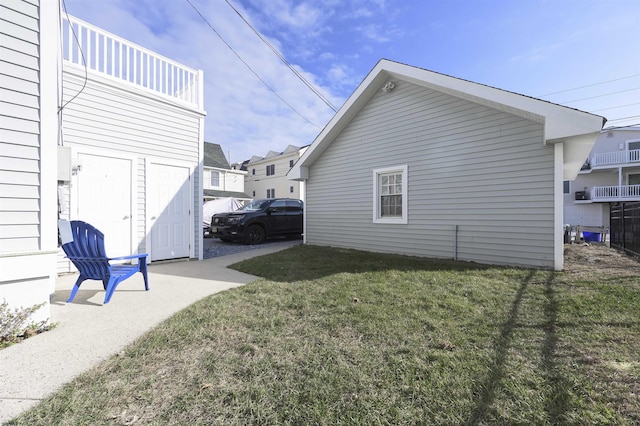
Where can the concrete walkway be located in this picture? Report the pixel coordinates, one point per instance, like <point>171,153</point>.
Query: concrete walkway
<point>88,332</point>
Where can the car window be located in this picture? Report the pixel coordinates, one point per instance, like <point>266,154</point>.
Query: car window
<point>294,206</point>
<point>278,205</point>
<point>254,206</point>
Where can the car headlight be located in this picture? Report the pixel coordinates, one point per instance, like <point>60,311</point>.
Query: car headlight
<point>216,220</point>
<point>234,219</point>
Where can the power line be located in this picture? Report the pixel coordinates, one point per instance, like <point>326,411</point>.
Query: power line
<point>591,85</point>
<point>284,60</point>
<point>624,118</point>
<point>615,107</point>
<point>600,96</point>
<point>248,66</point>
<point>84,61</point>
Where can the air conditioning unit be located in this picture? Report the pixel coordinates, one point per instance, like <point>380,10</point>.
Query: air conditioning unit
<point>582,195</point>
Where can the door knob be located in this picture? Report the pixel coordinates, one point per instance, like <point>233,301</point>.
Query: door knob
<point>126,217</point>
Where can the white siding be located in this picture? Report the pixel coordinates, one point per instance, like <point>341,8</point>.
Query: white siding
<point>484,171</point>
<point>597,214</point>
<point>260,182</point>
<point>19,128</point>
<point>111,115</point>
<point>27,166</point>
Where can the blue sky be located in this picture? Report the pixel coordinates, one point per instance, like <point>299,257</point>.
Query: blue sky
<point>581,53</point>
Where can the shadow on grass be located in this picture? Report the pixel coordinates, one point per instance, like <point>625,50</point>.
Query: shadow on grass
<point>558,398</point>
<point>305,262</point>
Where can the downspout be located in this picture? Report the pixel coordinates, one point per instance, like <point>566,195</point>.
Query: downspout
<point>620,182</point>
<point>303,197</point>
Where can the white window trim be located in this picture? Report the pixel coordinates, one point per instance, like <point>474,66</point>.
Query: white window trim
<point>630,141</point>
<point>405,196</point>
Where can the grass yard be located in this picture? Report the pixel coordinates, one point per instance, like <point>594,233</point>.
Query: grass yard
<point>331,336</point>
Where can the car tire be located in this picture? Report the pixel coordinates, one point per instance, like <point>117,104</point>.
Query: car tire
<point>226,240</point>
<point>256,234</point>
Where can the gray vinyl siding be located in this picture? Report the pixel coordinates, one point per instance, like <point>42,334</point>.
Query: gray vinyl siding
<point>470,166</point>
<point>115,117</point>
<point>19,127</point>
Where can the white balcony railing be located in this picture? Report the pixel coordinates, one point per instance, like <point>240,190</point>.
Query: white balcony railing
<point>116,57</point>
<point>613,158</point>
<point>615,193</point>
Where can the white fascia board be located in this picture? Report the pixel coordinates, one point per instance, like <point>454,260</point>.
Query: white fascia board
<point>575,151</point>
<point>298,173</point>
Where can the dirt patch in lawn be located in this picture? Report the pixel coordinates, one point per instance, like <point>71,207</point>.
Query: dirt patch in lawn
<point>589,259</point>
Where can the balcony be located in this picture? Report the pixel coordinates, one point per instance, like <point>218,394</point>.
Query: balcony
<point>615,193</point>
<point>616,158</point>
<point>111,56</point>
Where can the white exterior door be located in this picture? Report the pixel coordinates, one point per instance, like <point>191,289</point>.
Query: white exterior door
<point>169,212</point>
<point>104,199</point>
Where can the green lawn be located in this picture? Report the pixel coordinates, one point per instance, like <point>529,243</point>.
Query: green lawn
<point>332,336</point>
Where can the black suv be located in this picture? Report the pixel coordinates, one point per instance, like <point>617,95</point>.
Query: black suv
<point>259,220</point>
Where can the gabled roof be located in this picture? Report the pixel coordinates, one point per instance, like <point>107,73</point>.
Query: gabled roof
<point>290,149</point>
<point>214,157</point>
<point>562,124</point>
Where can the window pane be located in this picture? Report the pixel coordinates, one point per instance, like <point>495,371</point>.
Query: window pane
<point>391,206</point>
<point>215,178</point>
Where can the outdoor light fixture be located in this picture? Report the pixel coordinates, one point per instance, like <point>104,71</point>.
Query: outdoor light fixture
<point>389,85</point>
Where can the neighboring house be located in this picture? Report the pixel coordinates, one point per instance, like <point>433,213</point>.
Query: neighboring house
<point>220,180</point>
<point>611,174</point>
<point>267,176</point>
<point>117,144</point>
<point>425,164</point>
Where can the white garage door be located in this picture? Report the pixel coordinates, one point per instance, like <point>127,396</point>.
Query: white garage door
<point>169,212</point>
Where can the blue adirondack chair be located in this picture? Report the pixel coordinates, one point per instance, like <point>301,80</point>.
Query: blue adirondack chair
<point>87,253</point>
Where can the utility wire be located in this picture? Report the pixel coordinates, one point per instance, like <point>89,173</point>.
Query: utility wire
<point>615,107</point>
<point>624,118</point>
<point>284,60</point>
<point>84,62</point>
<point>249,67</point>
<point>600,96</point>
<point>591,85</point>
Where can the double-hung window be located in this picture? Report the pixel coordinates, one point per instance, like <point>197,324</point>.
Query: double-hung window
<point>215,179</point>
<point>390,195</point>
<point>271,169</point>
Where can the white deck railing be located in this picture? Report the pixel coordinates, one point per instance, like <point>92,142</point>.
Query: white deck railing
<point>617,193</point>
<point>116,57</point>
<point>617,157</point>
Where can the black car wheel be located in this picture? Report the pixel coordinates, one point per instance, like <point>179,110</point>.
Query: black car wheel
<point>256,234</point>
